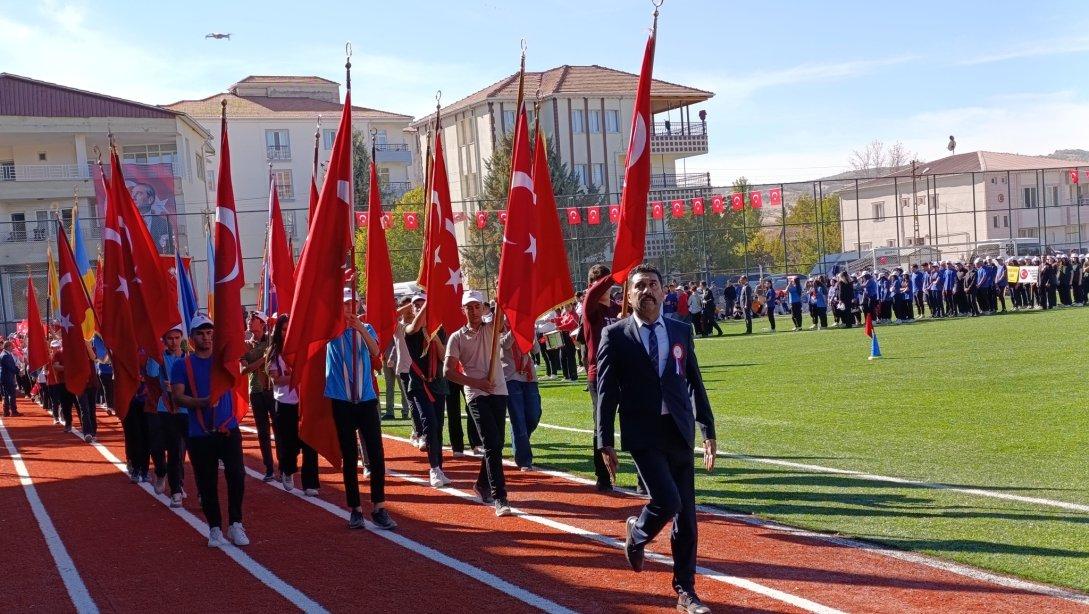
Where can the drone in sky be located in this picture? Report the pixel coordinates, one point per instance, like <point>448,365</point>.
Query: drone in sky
<point>218,35</point>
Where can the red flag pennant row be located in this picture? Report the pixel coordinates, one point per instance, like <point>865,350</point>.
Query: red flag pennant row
<point>1074,175</point>
<point>361,219</point>
<point>697,206</point>
<point>593,216</point>
<point>657,210</point>
<point>503,218</point>
<point>756,200</point>
<point>775,195</point>
<point>412,220</point>
<point>481,219</point>
<point>614,214</point>
<point>737,202</point>
<point>574,218</point>
<point>718,204</point>
<point>677,208</point>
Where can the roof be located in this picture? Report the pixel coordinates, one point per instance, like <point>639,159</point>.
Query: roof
<point>568,80</point>
<point>285,107</point>
<point>285,79</point>
<point>26,97</point>
<point>983,161</point>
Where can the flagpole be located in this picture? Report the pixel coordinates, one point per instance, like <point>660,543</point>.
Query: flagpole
<point>428,206</point>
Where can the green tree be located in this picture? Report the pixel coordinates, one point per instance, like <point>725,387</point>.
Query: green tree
<point>404,245</point>
<point>361,170</point>
<point>725,242</point>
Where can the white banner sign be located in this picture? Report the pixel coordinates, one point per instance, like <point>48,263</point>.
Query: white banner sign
<point>1029,274</point>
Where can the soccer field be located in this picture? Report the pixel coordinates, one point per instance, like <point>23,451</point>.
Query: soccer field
<point>995,404</point>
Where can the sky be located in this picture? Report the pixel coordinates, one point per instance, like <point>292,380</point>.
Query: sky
<point>798,85</point>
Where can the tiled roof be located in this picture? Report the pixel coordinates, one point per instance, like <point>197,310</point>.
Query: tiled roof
<point>285,79</point>
<point>570,80</point>
<point>275,107</point>
<point>22,96</point>
<point>984,161</point>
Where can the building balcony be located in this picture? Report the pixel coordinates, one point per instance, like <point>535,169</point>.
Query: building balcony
<point>278,152</point>
<point>393,190</point>
<point>680,138</point>
<point>48,181</point>
<point>392,153</point>
<point>668,186</point>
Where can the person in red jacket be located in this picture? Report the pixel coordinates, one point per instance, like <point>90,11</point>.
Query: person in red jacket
<point>567,322</point>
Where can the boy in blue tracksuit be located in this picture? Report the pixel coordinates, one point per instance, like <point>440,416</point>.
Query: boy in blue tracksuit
<point>918,286</point>
<point>934,291</point>
<point>906,293</point>
<point>1000,282</point>
<point>884,298</point>
<point>949,286</point>
<point>985,287</point>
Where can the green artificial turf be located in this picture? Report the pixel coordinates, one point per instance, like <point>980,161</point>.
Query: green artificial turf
<point>996,403</point>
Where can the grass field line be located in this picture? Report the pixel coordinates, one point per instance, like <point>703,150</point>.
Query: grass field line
<point>73,582</point>
<point>980,492</point>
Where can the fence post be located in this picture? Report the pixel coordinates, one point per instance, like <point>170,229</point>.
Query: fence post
<point>896,210</point>
<point>975,213</point>
<point>1009,203</point>
<point>858,222</point>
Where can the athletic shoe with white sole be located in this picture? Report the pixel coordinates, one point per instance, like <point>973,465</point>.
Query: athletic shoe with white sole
<point>502,508</point>
<point>366,472</point>
<point>288,480</point>
<point>160,485</point>
<point>237,534</point>
<point>438,478</point>
<point>176,500</point>
<point>215,537</point>
<point>381,519</point>
<point>311,492</point>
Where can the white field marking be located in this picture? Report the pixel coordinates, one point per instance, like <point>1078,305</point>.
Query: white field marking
<point>910,557</point>
<point>749,585</point>
<point>1073,507</point>
<point>77,590</point>
<point>473,572</point>
<point>262,573</point>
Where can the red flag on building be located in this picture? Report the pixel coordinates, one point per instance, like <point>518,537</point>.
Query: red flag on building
<point>387,220</point>
<point>503,218</point>
<point>481,219</point>
<point>441,277</point>
<point>614,214</point>
<point>360,219</point>
<point>697,206</point>
<point>631,233</point>
<point>74,304</point>
<point>37,354</point>
<point>574,218</point>
<point>657,210</point>
<point>677,208</point>
<point>775,195</point>
<point>551,274</point>
<point>718,204</point>
<point>593,216</point>
<point>737,202</point>
<point>1074,176</point>
<point>281,264</point>
<point>320,276</point>
<point>756,200</point>
<point>518,259</point>
<point>412,220</point>
<point>381,311</point>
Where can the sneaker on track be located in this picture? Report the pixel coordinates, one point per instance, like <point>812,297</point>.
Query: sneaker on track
<point>311,492</point>
<point>381,519</point>
<point>160,485</point>
<point>215,537</point>
<point>237,535</point>
<point>176,500</point>
<point>502,508</point>
<point>288,480</point>
<point>438,478</point>
<point>355,521</point>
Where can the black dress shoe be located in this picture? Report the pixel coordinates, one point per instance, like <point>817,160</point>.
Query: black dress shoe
<point>633,553</point>
<point>604,486</point>
<point>688,601</point>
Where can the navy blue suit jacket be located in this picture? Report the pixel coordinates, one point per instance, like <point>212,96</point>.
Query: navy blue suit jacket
<point>628,382</point>
<point>9,369</point>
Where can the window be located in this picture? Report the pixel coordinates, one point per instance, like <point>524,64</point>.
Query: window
<point>328,135</point>
<point>41,156</point>
<point>1005,221</point>
<point>1054,195</point>
<point>508,121</point>
<point>597,174</point>
<point>595,122</point>
<point>149,154</point>
<point>198,162</point>
<point>612,121</point>
<point>879,212</point>
<point>890,243</point>
<point>380,137</point>
<point>7,170</point>
<point>1028,233</point>
<point>289,223</point>
<point>383,176</point>
<point>285,187</point>
<point>277,145</point>
<point>577,125</point>
<point>994,221</point>
<point>18,227</point>
<point>905,202</point>
<point>1028,200</point>
<point>41,225</point>
<point>581,173</point>
<point>211,183</point>
<point>864,247</point>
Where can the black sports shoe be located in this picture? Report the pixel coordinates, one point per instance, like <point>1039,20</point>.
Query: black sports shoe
<point>633,553</point>
<point>688,601</point>
<point>604,486</point>
<point>268,476</point>
<point>485,496</point>
<point>356,520</point>
<point>381,519</point>
<point>387,416</point>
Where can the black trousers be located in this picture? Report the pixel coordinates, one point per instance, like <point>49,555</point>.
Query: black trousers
<point>771,316</point>
<point>263,407</point>
<point>88,417</point>
<point>167,435</point>
<point>567,358</point>
<point>136,436</point>
<point>63,401</point>
<point>107,389</point>
<point>918,295</point>
<point>600,470</point>
<point>796,314</point>
<point>288,446</point>
<point>362,418</point>
<point>820,316</point>
<point>709,322</point>
<point>8,391</point>
<point>431,413</point>
<point>417,426</point>
<point>205,452</point>
<point>748,320</point>
<point>453,419</point>
<point>490,415</point>
<point>669,476</point>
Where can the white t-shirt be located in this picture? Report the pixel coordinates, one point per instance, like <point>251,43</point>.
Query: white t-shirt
<point>404,359</point>
<point>284,394</point>
<point>475,351</point>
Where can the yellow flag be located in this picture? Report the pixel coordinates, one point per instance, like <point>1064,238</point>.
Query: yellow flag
<point>1012,273</point>
<point>53,282</point>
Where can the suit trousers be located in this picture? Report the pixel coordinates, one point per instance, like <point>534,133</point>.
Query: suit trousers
<point>489,412</point>
<point>205,452</point>
<point>264,414</point>
<point>668,474</point>
<point>361,417</point>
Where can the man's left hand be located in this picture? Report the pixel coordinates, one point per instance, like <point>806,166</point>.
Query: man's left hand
<point>709,450</point>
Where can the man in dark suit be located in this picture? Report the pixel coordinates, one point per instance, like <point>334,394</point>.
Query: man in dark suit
<point>9,371</point>
<point>646,368</point>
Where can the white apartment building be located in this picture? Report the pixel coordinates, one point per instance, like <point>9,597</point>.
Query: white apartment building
<point>48,136</point>
<point>273,120</point>
<point>586,111</point>
<point>964,199</point>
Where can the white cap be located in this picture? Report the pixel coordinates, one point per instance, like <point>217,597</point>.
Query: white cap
<point>55,343</point>
<point>349,295</point>
<point>419,296</point>
<point>180,327</point>
<point>260,315</point>
<point>979,261</point>
<point>200,321</point>
<point>471,296</point>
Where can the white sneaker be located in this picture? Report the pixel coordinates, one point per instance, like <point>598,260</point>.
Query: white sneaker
<point>311,492</point>
<point>438,478</point>
<point>414,440</point>
<point>814,327</point>
<point>288,480</point>
<point>366,472</point>
<point>176,500</point>
<point>215,537</point>
<point>237,535</point>
<point>160,485</point>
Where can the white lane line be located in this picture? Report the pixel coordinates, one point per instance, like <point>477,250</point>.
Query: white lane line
<point>910,557</point>
<point>77,590</point>
<point>259,571</point>
<point>476,573</point>
<point>980,492</point>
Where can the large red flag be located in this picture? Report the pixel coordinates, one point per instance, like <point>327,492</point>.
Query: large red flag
<point>441,276</point>
<point>280,263</point>
<point>37,353</point>
<point>228,345</point>
<point>631,234</point>
<point>116,316</point>
<point>320,277</point>
<point>518,259</point>
<point>74,305</point>
<point>552,276</point>
<point>380,308</point>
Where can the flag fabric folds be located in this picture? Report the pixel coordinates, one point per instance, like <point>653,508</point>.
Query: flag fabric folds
<point>381,311</point>
<point>518,258</point>
<point>552,277</point>
<point>441,274</point>
<point>37,354</point>
<point>280,266</point>
<point>86,271</point>
<point>51,280</point>
<point>74,304</point>
<point>187,297</point>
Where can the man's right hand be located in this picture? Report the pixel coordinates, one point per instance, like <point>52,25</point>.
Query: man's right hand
<point>484,385</point>
<point>608,454</point>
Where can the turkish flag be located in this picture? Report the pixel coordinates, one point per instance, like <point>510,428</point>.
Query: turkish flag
<point>574,218</point>
<point>697,206</point>
<point>459,217</point>
<point>737,202</point>
<point>281,264</point>
<point>657,211</point>
<point>1074,176</point>
<point>481,219</point>
<point>519,255</point>
<point>677,208</point>
<point>321,277</point>
<point>614,214</point>
<point>412,220</point>
<point>775,195</point>
<point>313,198</point>
<point>756,200</point>
<point>503,218</point>
<point>381,311</point>
<point>441,273</point>
<point>37,354</point>
<point>74,304</point>
<point>228,343</point>
<point>552,277</point>
<point>593,216</point>
<point>631,233</point>
<point>360,219</point>
<point>718,204</point>
<point>387,220</point>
